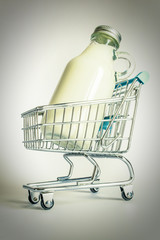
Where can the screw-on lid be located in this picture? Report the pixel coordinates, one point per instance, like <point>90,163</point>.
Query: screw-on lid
<point>110,32</point>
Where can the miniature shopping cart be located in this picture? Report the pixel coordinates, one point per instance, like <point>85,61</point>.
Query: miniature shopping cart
<point>107,136</point>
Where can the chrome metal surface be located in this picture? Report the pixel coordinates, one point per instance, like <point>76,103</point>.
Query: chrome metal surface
<point>83,183</point>
<point>112,139</point>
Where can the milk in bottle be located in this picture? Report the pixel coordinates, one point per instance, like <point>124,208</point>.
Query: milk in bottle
<point>89,76</point>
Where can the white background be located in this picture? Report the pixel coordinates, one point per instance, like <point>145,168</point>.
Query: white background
<point>37,39</point>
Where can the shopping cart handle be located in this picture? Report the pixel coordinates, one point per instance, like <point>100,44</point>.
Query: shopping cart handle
<point>142,78</point>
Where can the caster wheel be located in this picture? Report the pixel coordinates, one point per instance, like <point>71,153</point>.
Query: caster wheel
<point>33,197</point>
<point>126,196</point>
<point>46,204</point>
<point>94,190</point>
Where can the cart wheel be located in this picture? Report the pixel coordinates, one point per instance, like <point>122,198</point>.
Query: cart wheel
<point>94,190</point>
<point>46,204</point>
<point>126,196</point>
<point>33,197</point>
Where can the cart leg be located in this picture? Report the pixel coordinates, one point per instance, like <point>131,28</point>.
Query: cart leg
<point>95,175</point>
<point>130,168</point>
<point>96,171</point>
<point>127,189</point>
<point>70,169</point>
<point>126,186</point>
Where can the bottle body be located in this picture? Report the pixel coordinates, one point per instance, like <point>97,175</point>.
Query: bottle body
<point>89,76</point>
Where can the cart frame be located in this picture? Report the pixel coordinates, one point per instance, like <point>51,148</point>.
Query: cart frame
<point>115,129</point>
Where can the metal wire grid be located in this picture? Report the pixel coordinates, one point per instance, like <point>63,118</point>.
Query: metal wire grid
<point>86,131</point>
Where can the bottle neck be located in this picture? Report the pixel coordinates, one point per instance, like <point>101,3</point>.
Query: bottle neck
<point>105,39</point>
<point>99,51</point>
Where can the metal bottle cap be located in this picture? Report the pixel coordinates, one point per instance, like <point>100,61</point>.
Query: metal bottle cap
<point>110,32</point>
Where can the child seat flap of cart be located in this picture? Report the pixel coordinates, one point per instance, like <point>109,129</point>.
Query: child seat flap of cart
<point>91,138</point>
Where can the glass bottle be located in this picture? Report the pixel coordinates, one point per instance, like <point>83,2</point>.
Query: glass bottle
<point>89,76</point>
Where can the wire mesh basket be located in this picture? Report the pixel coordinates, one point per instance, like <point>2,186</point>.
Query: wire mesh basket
<point>88,127</point>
